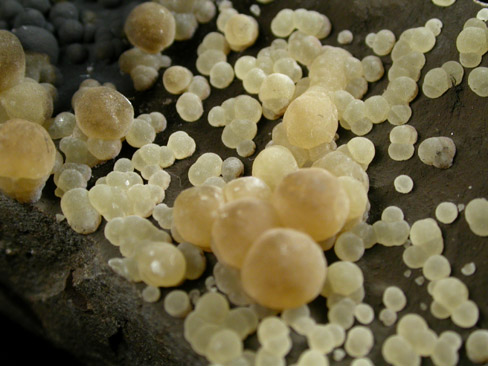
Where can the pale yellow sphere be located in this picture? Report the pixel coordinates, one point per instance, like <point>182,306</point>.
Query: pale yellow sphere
<point>312,200</point>
<point>238,224</point>
<point>161,264</point>
<point>284,269</point>
<point>103,113</point>
<point>311,120</point>
<point>194,211</point>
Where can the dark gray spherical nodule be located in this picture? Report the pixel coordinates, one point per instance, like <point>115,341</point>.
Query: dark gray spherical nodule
<point>89,34</point>
<point>38,39</point>
<point>76,53</point>
<point>71,31</point>
<point>42,5</point>
<point>10,9</point>
<point>109,3</point>
<point>104,50</point>
<point>65,10</point>
<point>30,17</point>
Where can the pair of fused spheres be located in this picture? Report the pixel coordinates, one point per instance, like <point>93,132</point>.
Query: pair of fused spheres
<point>103,113</point>
<point>26,164</point>
<point>150,27</point>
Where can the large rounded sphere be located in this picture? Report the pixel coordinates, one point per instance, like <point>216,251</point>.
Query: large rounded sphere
<point>103,113</point>
<point>284,269</point>
<point>312,200</point>
<point>150,27</point>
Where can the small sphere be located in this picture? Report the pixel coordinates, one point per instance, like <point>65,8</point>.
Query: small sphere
<point>161,264</point>
<point>103,113</point>
<point>177,303</point>
<point>273,254</point>
<point>477,346</point>
<point>272,164</point>
<point>221,75</point>
<point>189,107</point>
<point>476,214</point>
<point>150,27</point>
<point>176,79</point>
<point>478,81</point>
<point>446,212</point>
<point>403,184</point>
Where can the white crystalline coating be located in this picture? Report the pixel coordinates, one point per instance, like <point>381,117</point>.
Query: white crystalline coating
<point>446,212</point>
<point>436,267</point>
<point>434,25</point>
<point>345,37</point>
<point>359,341</point>
<point>477,346</point>
<point>364,313</point>
<point>468,269</point>
<point>394,298</point>
<point>476,214</point>
<point>403,184</point>
<point>437,151</point>
<point>478,81</point>
<point>181,144</point>
<point>388,317</point>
